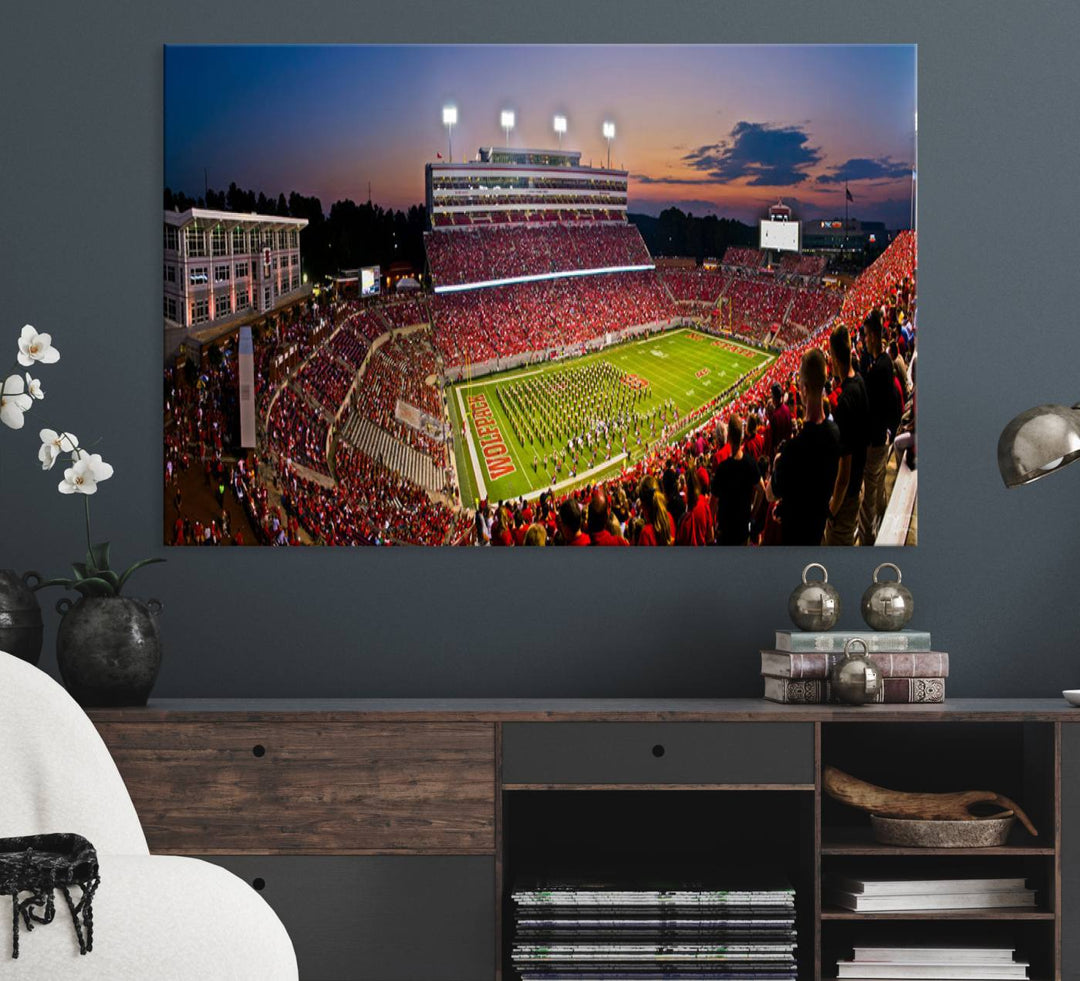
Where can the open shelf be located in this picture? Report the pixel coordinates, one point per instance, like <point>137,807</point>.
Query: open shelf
<point>1003,913</point>
<point>860,841</point>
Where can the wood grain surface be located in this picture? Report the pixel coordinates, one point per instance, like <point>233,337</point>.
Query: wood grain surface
<point>213,787</point>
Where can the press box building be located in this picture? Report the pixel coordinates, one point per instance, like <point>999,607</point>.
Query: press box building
<point>221,264</point>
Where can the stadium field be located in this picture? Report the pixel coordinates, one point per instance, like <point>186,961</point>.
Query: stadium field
<point>518,422</point>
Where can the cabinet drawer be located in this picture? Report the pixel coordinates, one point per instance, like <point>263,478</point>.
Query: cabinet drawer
<point>694,753</point>
<point>229,788</point>
<point>381,918</point>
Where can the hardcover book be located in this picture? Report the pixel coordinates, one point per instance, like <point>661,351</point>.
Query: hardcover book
<point>979,900</point>
<point>833,641</point>
<point>895,691</point>
<point>816,664</point>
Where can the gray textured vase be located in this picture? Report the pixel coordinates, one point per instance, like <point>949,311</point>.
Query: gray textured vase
<point>21,628</point>
<point>108,649</point>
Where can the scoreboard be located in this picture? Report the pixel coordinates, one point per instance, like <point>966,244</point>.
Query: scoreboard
<point>784,236</point>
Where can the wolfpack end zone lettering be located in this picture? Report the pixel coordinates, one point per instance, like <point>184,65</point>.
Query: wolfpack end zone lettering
<point>496,455</point>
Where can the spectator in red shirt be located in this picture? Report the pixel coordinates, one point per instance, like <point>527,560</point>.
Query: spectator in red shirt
<point>600,522</point>
<point>570,532</point>
<point>696,525</point>
<point>779,419</point>
<point>657,527</point>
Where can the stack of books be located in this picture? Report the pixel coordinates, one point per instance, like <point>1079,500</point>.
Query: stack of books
<point>796,671</point>
<point>904,894</point>
<point>581,931</point>
<point>939,963</point>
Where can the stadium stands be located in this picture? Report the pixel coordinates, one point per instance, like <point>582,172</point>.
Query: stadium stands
<point>744,257</point>
<point>695,285</point>
<point>389,480</point>
<point>502,321</point>
<point>486,254</point>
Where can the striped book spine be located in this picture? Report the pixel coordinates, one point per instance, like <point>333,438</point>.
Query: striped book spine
<point>807,665</point>
<point>895,691</point>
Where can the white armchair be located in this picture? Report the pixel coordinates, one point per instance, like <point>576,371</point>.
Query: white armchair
<point>156,918</point>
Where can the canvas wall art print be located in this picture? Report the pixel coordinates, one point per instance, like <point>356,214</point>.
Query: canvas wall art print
<point>540,295</point>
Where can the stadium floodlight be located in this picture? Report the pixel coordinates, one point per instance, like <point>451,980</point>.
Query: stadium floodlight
<point>609,135</point>
<point>449,118</point>
<point>506,121</point>
<point>560,128</point>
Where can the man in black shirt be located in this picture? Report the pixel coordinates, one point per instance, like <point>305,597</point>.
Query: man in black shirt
<point>851,415</point>
<point>804,474</point>
<point>883,398</point>
<point>733,486</point>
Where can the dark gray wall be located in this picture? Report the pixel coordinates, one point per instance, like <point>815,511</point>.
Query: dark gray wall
<point>995,577</point>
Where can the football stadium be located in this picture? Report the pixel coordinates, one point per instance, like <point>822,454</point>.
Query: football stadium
<point>545,381</point>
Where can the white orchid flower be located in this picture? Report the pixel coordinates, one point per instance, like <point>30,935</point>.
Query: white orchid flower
<point>33,387</point>
<point>83,476</point>
<point>53,444</point>
<point>36,347</point>
<point>14,401</point>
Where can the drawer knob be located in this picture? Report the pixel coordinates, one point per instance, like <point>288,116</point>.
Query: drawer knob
<point>258,884</point>
<point>658,750</point>
<point>258,750</point>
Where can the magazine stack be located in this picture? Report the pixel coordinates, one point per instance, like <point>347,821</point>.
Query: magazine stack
<point>590,931</point>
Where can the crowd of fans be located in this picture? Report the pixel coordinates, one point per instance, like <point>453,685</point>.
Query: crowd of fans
<point>813,307</point>
<point>772,465</point>
<point>484,254</point>
<point>399,370</point>
<point>297,430</point>
<point>695,285</point>
<point>502,321</point>
<point>802,265</point>
<point>755,303</point>
<point>369,505</point>
<point>715,484</point>
<point>889,270</point>
<point>746,258</point>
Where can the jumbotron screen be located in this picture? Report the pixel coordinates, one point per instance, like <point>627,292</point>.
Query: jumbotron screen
<point>780,235</point>
<point>369,281</point>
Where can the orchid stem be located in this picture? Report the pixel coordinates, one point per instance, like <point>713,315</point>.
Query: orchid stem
<point>89,547</point>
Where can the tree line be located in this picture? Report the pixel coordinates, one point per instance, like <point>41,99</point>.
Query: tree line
<point>352,234</point>
<point>349,235</point>
<point>679,233</point>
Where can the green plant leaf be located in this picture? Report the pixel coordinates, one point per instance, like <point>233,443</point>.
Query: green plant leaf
<point>66,583</point>
<point>111,578</point>
<point>94,587</point>
<point>80,570</point>
<point>128,573</point>
<point>97,559</point>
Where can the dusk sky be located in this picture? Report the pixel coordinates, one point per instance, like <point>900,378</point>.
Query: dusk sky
<point>720,129</point>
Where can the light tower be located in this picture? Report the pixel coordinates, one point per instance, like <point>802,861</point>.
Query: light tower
<point>560,128</point>
<point>506,121</point>
<point>609,135</point>
<point>449,118</point>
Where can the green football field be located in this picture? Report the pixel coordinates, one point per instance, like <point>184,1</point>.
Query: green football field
<point>680,369</point>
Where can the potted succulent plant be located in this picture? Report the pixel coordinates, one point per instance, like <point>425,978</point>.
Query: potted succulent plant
<point>108,646</point>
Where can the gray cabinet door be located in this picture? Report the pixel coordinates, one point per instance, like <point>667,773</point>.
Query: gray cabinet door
<point>381,917</point>
<point>1070,850</point>
<point>765,753</point>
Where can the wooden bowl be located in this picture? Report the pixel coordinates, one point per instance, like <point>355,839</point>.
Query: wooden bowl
<point>912,832</point>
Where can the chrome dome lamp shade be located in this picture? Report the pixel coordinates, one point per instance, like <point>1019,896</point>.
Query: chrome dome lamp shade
<point>1039,441</point>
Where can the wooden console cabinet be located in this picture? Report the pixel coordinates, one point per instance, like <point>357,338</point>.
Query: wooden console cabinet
<point>387,833</point>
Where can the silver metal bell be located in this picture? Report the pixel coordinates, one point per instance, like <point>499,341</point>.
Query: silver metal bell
<point>856,680</point>
<point>814,605</point>
<point>887,605</point>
